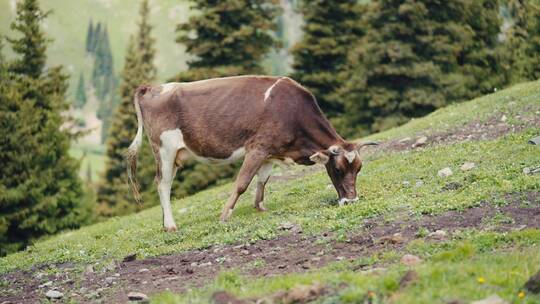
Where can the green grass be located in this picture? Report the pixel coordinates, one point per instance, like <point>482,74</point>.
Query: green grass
<point>310,202</point>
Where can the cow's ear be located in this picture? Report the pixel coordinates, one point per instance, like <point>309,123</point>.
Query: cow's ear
<point>319,158</point>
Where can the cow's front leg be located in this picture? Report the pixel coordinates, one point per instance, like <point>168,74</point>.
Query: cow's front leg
<point>252,163</point>
<point>262,178</point>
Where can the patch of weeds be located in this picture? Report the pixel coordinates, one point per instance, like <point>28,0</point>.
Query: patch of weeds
<point>498,219</point>
<point>462,251</point>
<point>258,263</point>
<point>422,232</point>
<point>230,280</point>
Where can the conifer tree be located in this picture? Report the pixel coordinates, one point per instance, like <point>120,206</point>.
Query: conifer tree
<point>96,35</point>
<point>89,36</point>
<point>40,191</point>
<point>231,37</point>
<point>114,196</point>
<point>320,58</point>
<point>80,95</point>
<point>417,56</point>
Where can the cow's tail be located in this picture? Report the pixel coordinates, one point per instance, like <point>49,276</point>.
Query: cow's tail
<point>131,155</point>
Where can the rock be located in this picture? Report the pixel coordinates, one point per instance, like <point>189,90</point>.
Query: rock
<point>290,226</point>
<point>410,260</point>
<point>137,296</point>
<point>205,264</point>
<point>223,297</point>
<point>46,284</point>
<point>452,186</point>
<point>526,170</point>
<point>109,280</point>
<point>445,172</point>
<point>89,269</point>
<point>144,270</point>
<point>419,183</point>
<point>193,264</point>
<point>301,294</point>
<point>408,278</point>
<point>406,139</point>
<point>130,258</point>
<point>405,183</point>
<point>420,142</point>
<point>535,141</point>
<point>244,252</point>
<point>54,294</point>
<point>494,299</point>
<point>467,166</point>
<point>438,235</point>
<point>533,284</point>
<point>504,118</point>
<point>396,238</point>
<point>340,258</point>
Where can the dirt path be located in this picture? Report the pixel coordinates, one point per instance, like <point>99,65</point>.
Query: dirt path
<point>291,252</point>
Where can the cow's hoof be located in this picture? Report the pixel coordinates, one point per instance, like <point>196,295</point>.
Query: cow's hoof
<point>225,216</point>
<point>170,229</point>
<point>260,208</point>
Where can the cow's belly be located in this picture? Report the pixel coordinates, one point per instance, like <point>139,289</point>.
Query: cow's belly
<point>235,156</point>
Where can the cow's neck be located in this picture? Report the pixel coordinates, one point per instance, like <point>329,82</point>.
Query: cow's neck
<point>320,136</point>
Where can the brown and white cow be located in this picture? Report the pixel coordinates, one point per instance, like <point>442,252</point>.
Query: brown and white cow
<point>260,118</point>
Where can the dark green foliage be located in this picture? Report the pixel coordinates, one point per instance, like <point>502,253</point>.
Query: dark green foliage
<point>417,56</point>
<point>523,39</point>
<point>229,33</point>
<point>40,191</point>
<point>320,58</point>
<point>89,36</point>
<point>80,95</point>
<point>114,197</point>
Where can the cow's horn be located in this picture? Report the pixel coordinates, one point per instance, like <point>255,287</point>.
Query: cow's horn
<point>366,143</point>
<point>334,150</point>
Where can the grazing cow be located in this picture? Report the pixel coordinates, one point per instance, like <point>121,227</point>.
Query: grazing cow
<point>261,118</point>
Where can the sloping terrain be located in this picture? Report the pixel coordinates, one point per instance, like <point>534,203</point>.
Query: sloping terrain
<point>417,235</point>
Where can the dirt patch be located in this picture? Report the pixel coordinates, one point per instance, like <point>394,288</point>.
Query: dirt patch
<point>291,252</point>
<point>493,128</point>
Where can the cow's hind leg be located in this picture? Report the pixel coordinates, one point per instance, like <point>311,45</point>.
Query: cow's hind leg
<point>262,178</point>
<point>164,179</point>
<point>252,163</point>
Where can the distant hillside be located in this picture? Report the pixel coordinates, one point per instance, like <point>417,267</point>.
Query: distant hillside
<point>69,21</point>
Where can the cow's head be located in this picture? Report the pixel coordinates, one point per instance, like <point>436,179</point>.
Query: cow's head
<point>343,164</point>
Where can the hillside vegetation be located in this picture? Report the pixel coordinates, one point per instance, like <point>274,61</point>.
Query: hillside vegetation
<point>397,186</point>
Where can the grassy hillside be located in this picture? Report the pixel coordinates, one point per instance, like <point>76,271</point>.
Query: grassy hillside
<point>69,21</point>
<point>493,253</point>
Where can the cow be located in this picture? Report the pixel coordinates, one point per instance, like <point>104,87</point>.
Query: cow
<point>263,119</point>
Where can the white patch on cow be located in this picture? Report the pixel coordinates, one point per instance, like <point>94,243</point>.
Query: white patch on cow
<point>168,87</point>
<point>269,90</point>
<point>236,155</point>
<point>264,172</point>
<point>350,156</point>
<point>344,200</point>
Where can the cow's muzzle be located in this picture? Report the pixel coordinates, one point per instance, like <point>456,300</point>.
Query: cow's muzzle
<point>344,200</point>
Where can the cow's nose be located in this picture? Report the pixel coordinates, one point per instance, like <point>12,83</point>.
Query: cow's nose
<point>344,200</point>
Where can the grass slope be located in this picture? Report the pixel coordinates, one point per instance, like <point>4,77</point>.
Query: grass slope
<point>309,201</point>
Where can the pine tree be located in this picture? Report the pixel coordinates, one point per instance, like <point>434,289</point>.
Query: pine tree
<point>114,196</point>
<point>96,35</point>
<point>417,56</point>
<point>231,36</point>
<point>40,191</point>
<point>80,95</point>
<point>89,36</point>
<point>320,58</point>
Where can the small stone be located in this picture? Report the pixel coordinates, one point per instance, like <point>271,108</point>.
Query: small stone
<point>205,264</point>
<point>467,166</point>
<point>144,270</point>
<point>504,118</point>
<point>438,235</point>
<point>420,142</point>
<point>535,141</point>
<point>526,170</point>
<point>54,294</point>
<point>116,275</point>
<point>419,183</point>
<point>244,252</point>
<point>445,172</point>
<point>396,238</point>
<point>137,296</point>
<point>405,183</point>
<point>46,284</point>
<point>410,260</point>
<point>406,139</point>
<point>193,264</point>
<point>316,259</point>
<point>340,258</point>
<point>89,269</point>
<point>109,280</point>
<point>494,299</point>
